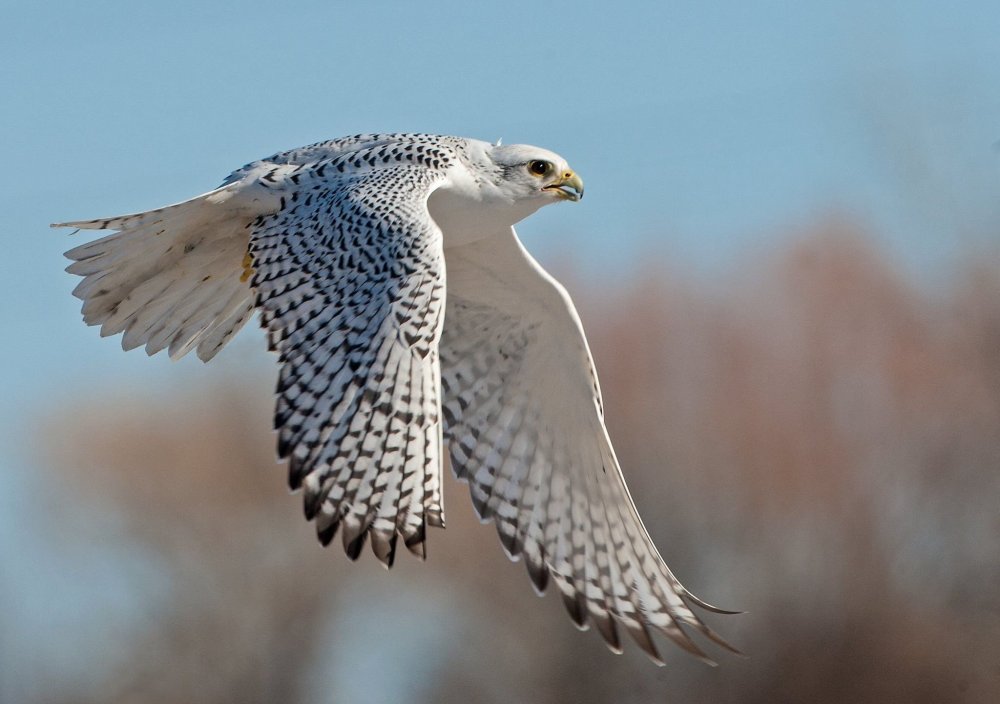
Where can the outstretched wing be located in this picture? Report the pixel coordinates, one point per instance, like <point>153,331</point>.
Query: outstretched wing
<point>525,428</point>
<point>349,278</point>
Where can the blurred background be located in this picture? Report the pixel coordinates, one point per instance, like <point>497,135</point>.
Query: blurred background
<point>788,264</point>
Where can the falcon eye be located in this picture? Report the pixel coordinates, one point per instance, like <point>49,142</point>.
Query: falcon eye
<point>539,168</point>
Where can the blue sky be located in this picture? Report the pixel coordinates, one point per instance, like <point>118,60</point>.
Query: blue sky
<point>700,128</point>
<point>703,130</point>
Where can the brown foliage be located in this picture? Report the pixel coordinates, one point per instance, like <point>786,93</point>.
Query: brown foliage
<point>816,441</point>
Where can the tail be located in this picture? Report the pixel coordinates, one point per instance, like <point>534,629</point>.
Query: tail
<point>173,278</point>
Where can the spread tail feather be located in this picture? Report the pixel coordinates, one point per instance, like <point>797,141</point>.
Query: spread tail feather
<point>173,278</point>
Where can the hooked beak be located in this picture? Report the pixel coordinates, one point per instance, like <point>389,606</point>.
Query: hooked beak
<point>568,186</point>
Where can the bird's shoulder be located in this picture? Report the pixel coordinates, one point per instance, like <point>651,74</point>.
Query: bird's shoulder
<point>365,152</point>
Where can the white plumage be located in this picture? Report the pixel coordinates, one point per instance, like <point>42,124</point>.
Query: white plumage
<point>408,319</point>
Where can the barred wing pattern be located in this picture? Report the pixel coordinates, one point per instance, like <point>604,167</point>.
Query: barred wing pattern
<point>349,279</point>
<point>525,428</point>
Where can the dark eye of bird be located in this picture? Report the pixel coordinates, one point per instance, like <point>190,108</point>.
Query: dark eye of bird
<point>539,168</point>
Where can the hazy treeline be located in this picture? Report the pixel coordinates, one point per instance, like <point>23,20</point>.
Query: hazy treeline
<point>815,439</point>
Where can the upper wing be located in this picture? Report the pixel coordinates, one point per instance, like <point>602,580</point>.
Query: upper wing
<point>174,277</point>
<point>525,427</point>
<point>349,277</point>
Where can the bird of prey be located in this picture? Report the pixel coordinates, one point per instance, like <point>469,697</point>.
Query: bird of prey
<point>409,321</point>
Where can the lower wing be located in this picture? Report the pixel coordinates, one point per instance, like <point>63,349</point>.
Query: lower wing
<point>525,427</point>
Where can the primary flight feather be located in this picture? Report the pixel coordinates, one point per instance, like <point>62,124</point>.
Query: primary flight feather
<point>409,322</point>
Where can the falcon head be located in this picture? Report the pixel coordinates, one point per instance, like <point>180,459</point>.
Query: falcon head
<point>497,186</point>
<point>528,172</point>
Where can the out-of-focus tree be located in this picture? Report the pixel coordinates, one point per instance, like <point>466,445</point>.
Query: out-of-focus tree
<point>193,478</point>
<point>816,441</point>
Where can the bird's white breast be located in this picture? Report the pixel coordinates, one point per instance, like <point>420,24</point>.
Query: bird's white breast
<point>468,209</point>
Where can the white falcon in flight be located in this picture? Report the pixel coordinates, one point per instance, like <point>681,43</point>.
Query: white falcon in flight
<point>409,320</point>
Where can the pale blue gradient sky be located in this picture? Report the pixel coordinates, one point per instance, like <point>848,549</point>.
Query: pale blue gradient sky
<point>700,128</point>
<point>703,130</point>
